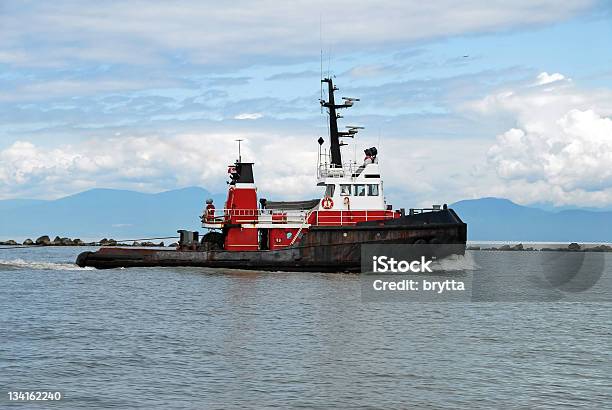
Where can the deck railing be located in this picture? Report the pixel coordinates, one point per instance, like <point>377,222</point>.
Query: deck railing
<point>350,217</point>
<point>327,170</point>
<point>303,217</point>
<point>222,216</point>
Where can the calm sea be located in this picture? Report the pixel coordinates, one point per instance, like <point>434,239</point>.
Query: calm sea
<point>203,338</point>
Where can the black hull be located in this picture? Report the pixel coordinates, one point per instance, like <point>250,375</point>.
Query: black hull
<point>322,249</point>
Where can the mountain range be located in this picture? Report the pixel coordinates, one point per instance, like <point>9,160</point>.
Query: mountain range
<point>496,219</point>
<point>122,214</point>
<point>109,213</point>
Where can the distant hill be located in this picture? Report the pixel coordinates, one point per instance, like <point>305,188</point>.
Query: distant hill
<point>491,219</point>
<point>123,214</point>
<point>107,213</point>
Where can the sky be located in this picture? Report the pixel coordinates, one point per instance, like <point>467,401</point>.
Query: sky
<point>464,99</point>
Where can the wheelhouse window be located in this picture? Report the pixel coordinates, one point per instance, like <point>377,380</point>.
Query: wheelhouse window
<point>329,190</point>
<point>373,190</point>
<point>360,190</point>
<point>345,189</point>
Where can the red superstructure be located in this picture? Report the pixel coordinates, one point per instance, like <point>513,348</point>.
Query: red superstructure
<point>240,215</point>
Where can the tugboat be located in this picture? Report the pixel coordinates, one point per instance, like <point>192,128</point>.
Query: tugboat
<point>323,234</point>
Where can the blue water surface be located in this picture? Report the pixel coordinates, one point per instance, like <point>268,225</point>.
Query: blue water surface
<point>203,338</point>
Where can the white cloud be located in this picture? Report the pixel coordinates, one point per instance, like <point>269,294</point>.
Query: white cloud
<point>221,33</point>
<point>545,78</point>
<point>248,116</point>
<point>560,150</point>
<point>46,89</point>
<point>368,70</point>
<point>577,154</point>
<point>159,38</point>
<point>154,164</point>
<point>418,173</point>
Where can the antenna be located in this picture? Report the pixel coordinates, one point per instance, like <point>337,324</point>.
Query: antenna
<point>329,62</point>
<point>321,47</point>
<point>321,82</point>
<point>379,145</point>
<point>239,154</point>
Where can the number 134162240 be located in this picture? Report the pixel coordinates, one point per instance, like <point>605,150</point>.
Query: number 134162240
<point>34,396</point>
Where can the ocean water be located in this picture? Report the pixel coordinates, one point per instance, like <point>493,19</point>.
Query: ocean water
<point>203,338</point>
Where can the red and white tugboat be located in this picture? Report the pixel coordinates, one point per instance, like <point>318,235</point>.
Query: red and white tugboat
<point>323,234</point>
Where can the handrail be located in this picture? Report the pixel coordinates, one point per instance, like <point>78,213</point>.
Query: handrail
<point>326,169</point>
<point>281,216</point>
<point>221,216</point>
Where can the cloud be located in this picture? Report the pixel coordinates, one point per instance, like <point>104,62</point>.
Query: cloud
<point>243,33</point>
<point>545,78</point>
<point>294,75</point>
<point>577,155</point>
<point>368,70</point>
<point>153,164</point>
<point>284,165</point>
<point>248,116</point>
<point>45,90</point>
<point>432,94</point>
<point>153,74</point>
<point>447,153</point>
<point>560,150</point>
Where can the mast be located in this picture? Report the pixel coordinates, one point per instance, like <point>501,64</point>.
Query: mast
<point>334,134</point>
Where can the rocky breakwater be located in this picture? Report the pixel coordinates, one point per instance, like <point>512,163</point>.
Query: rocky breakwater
<point>572,247</point>
<point>45,240</point>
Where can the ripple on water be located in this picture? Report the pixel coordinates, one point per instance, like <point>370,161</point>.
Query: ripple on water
<point>201,338</point>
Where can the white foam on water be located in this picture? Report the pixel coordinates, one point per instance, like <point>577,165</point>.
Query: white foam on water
<point>455,262</point>
<point>39,265</point>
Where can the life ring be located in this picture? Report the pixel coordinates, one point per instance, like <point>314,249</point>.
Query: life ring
<point>327,203</point>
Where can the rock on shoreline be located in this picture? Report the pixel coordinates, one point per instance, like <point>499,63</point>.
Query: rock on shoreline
<point>45,240</point>
<point>572,247</point>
